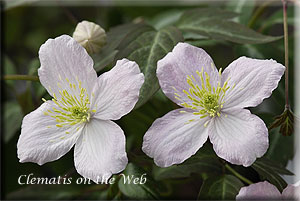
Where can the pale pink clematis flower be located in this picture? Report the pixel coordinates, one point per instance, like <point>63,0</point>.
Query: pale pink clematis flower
<point>267,191</point>
<point>213,106</point>
<point>81,111</point>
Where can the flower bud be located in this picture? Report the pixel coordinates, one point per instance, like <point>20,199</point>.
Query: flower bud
<point>90,35</point>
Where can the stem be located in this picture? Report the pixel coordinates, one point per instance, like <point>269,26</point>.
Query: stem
<point>286,51</point>
<point>238,174</point>
<point>21,77</point>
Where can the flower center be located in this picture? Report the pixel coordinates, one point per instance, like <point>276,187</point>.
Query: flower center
<point>206,99</point>
<point>71,109</point>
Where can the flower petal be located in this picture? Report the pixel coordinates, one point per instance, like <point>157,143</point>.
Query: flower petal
<point>41,141</point>
<point>292,192</point>
<point>63,58</point>
<point>254,81</point>
<point>262,190</point>
<point>238,136</point>
<point>118,90</point>
<point>174,138</point>
<point>100,151</point>
<point>183,61</point>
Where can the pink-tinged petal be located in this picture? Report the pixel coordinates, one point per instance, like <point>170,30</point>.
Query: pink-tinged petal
<point>259,191</point>
<point>238,136</point>
<point>254,81</point>
<point>173,138</point>
<point>118,90</point>
<point>183,61</point>
<point>100,150</point>
<point>41,141</point>
<point>292,192</point>
<point>64,59</point>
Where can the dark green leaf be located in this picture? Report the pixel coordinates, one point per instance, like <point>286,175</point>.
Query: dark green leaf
<point>13,118</point>
<point>204,161</point>
<point>44,192</point>
<point>281,147</point>
<point>146,47</point>
<point>114,37</point>
<point>273,165</point>
<point>165,19</point>
<point>270,173</point>
<point>9,68</point>
<point>138,191</point>
<point>220,188</point>
<point>277,18</point>
<point>218,27</point>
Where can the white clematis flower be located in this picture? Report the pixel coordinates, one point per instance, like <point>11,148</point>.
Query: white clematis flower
<point>265,190</point>
<point>213,106</point>
<point>81,110</point>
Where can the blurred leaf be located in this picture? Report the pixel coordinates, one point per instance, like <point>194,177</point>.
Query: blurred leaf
<point>244,8</point>
<point>44,192</point>
<point>38,88</point>
<point>217,26</point>
<point>13,118</point>
<point>165,19</point>
<point>148,190</point>
<point>147,46</point>
<point>274,166</point>
<point>249,51</point>
<point>285,121</point>
<point>14,3</point>
<point>25,101</point>
<point>114,37</point>
<point>204,161</point>
<point>8,69</point>
<point>281,147</point>
<point>223,187</point>
<point>270,173</point>
<point>277,18</point>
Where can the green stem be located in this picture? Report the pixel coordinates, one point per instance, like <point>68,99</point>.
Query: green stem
<point>238,174</point>
<point>286,53</point>
<point>21,77</point>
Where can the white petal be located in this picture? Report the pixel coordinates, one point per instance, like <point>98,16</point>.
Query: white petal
<point>63,58</point>
<point>239,136</point>
<point>292,191</point>
<point>172,139</point>
<point>254,81</point>
<point>261,190</point>
<point>118,90</point>
<point>183,61</point>
<point>41,140</point>
<point>100,151</point>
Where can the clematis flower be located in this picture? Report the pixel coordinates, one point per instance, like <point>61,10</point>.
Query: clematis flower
<point>213,106</point>
<point>81,111</point>
<point>267,191</point>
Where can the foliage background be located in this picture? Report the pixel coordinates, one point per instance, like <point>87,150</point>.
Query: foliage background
<point>25,28</point>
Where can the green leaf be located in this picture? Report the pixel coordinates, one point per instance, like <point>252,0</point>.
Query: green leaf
<point>14,3</point>
<point>44,192</point>
<point>114,37</point>
<point>281,147</point>
<point>164,19</point>
<point>9,68</point>
<point>13,118</point>
<point>218,27</point>
<point>147,46</point>
<point>244,8</point>
<point>137,191</point>
<point>204,161</point>
<point>270,173</point>
<point>277,18</point>
<point>223,187</point>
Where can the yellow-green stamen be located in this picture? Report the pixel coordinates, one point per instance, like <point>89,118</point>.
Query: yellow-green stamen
<point>73,107</point>
<point>207,100</point>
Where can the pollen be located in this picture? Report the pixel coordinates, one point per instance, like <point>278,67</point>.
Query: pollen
<point>206,100</point>
<point>73,106</point>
